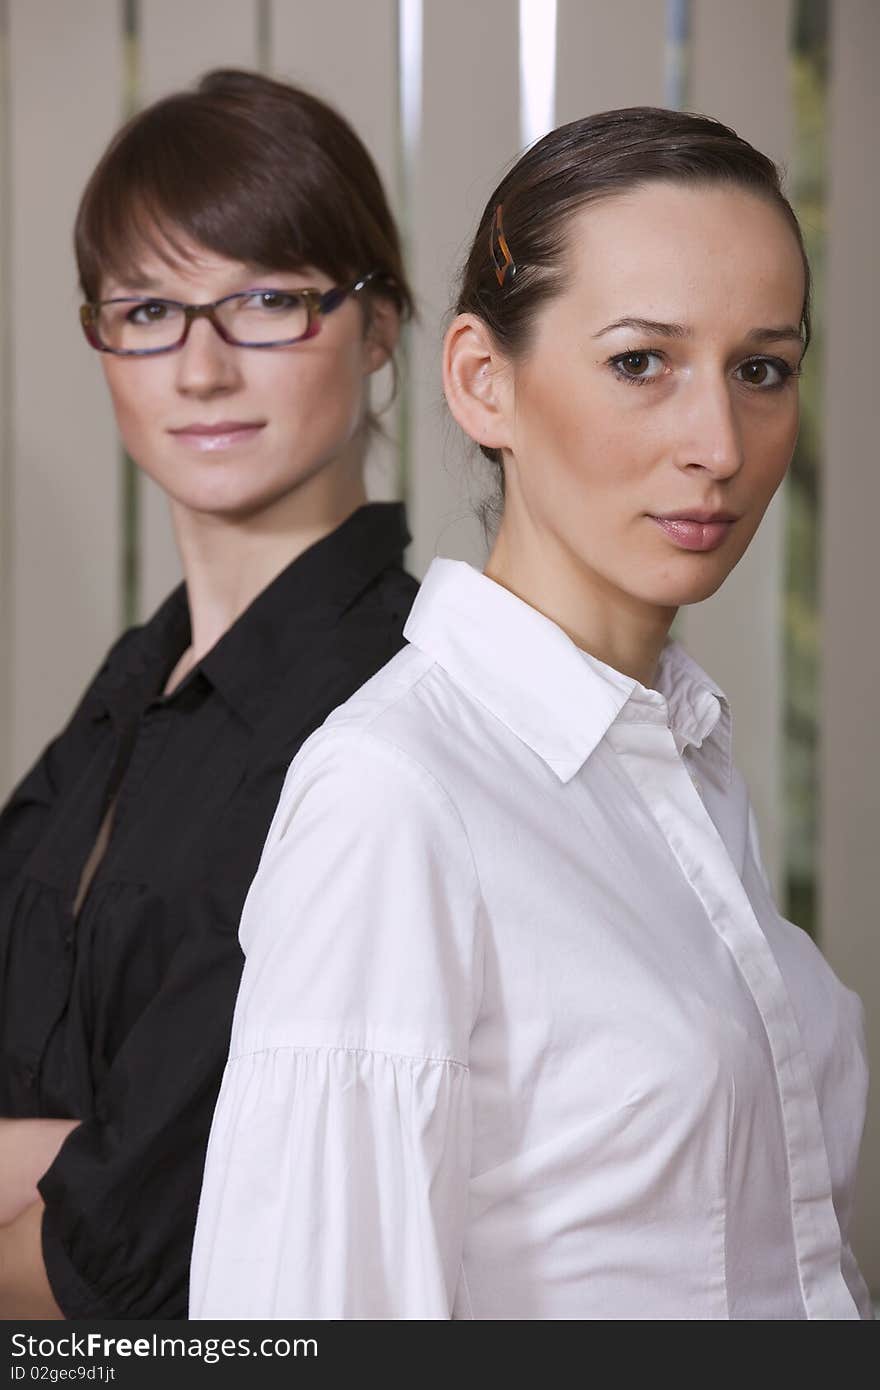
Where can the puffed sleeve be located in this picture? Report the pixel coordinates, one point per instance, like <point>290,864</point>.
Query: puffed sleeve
<point>121,1196</point>
<point>339,1159</point>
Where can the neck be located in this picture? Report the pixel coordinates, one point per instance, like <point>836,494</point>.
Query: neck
<point>601,619</point>
<point>229,560</point>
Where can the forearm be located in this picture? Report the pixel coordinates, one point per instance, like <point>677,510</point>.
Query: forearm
<point>24,1286</point>
<point>27,1149</point>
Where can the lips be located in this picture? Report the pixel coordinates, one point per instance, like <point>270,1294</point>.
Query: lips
<point>694,533</point>
<point>697,514</point>
<point>221,427</point>
<point>225,434</point>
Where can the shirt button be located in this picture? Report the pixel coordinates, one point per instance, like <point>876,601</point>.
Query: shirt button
<point>30,1077</point>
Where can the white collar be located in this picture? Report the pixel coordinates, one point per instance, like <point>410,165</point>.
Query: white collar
<point>556,698</point>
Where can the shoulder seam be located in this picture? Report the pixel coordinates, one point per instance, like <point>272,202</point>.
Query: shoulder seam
<point>367,729</point>
<point>405,756</point>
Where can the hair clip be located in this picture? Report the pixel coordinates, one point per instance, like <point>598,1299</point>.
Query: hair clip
<point>501,257</point>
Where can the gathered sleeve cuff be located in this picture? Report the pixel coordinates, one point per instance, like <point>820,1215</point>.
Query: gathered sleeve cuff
<point>339,1161</point>
<point>337,1188</point>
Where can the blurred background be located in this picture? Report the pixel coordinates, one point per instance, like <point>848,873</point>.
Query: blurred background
<point>446,94</point>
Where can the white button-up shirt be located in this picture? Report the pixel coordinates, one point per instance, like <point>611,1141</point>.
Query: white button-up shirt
<point>521,1032</point>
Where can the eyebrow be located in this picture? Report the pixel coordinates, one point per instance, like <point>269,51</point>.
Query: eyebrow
<point>678,330</point>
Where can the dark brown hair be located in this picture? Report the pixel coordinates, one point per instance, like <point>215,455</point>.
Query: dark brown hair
<point>249,168</point>
<point>582,163</point>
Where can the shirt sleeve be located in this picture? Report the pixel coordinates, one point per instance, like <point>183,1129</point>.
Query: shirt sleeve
<point>338,1167</point>
<point>121,1197</point>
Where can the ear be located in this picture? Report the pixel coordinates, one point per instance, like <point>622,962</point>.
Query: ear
<point>383,331</point>
<point>476,381</point>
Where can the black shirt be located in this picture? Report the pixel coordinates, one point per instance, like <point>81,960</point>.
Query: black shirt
<point>120,1016</point>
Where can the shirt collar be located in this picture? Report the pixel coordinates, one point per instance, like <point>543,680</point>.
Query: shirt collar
<point>303,602</point>
<point>556,698</point>
<point>140,661</point>
<point>270,637</point>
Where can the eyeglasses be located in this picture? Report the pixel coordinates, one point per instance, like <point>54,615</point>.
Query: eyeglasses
<point>258,318</point>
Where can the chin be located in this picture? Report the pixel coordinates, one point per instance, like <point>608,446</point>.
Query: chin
<point>231,505</point>
<point>695,590</point>
<point>232,493</point>
<point>677,586</point>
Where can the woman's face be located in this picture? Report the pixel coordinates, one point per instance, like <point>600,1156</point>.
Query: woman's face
<point>690,407</point>
<point>231,430</point>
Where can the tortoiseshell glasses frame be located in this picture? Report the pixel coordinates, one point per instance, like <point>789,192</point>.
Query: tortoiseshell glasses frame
<point>317,303</point>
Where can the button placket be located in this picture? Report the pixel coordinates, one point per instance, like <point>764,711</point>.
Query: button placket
<point>695,780</point>
<point>709,870</point>
<point>654,710</point>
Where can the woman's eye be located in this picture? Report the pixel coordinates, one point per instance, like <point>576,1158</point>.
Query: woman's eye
<point>153,312</point>
<point>277,300</point>
<point>636,366</point>
<point>766,371</point>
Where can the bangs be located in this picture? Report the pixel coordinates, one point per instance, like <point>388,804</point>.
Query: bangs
<point>249,183</point>
<point>128,230</point>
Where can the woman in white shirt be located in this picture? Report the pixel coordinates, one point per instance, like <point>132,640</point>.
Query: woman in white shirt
<point>521,1031</point>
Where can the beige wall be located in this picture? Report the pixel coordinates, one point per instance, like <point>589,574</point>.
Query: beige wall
<point>62,93</point>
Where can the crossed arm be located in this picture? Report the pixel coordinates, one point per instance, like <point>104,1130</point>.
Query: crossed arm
<point>27,1149</point>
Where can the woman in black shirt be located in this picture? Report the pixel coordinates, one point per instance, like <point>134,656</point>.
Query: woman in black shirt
<point>127,851</point>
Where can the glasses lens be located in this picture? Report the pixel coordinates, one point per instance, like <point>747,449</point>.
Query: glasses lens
<point>264,316</point>
<point>137,325</point>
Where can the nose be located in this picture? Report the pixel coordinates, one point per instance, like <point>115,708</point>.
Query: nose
<point>711,436</point>
<point>206,365</point>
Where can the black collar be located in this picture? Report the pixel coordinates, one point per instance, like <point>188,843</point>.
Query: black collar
<point>274,632</point>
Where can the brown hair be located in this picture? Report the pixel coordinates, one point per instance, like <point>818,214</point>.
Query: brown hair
<point>252,169</point>
<point>579,164</point>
